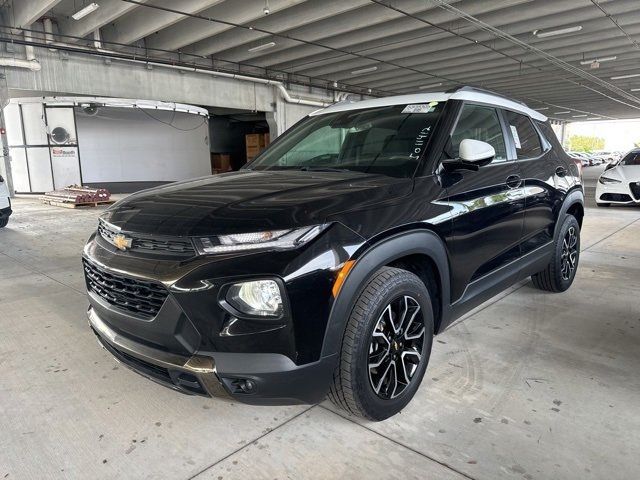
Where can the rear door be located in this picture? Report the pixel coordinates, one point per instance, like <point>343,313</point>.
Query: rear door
<point>487,205</point>
<point>543,175</point>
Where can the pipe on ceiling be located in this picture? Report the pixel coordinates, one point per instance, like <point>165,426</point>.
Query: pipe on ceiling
<point>97,43</point>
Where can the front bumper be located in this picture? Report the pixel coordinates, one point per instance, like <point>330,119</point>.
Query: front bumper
<point>624,193</point>
<point>275,379</point>
<point>166,319</point>
<point>192,375</point>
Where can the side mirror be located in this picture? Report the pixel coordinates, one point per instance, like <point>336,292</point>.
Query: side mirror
<point>476,151</point>
<point>473,153</point>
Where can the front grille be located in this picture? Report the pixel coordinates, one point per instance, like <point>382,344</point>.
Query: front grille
<point>615,197</point>
<point>147,244</point>
<point>139,297</point>
<point>635,189</point>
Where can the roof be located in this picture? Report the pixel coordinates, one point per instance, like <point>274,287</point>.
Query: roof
<point>391,47</point>
<point>468,95</point>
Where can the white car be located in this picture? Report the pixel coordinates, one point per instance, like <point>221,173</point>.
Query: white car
<point>620,183</point>
<point>5,203</point>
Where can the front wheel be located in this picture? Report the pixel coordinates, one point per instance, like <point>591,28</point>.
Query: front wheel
<point>3,222</point>
<point>386,346</point>
<point>559,274</point>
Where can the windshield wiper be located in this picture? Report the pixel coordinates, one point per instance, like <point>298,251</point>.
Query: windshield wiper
<point>324,169</point>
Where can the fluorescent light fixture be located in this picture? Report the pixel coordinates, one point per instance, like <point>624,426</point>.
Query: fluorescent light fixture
<point>594,118</point>
<point>635,89</point>
<point>622,77</point>
<point>83,12</point>
<point>364,70</point>
<point>561,113</point>
<point>431,85</point>
<point>560,31</point>
<point>262,47</point>
<point>598,60</point>
<point>579,116</point>
<point>541,108</point>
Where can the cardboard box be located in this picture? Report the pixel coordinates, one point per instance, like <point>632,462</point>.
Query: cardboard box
<point>253,152</point>
<point>254,140</point>
<point>220,162</point>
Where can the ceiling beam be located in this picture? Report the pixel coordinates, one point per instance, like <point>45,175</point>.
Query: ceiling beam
<point>308,13</point>
<point>446,45</point>
<point>109,11</point>
<point>145,21</point>
<point>25,12</point>
<point>191,30</point>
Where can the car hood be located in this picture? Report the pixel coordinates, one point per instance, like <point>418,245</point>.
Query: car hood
<point>249,201</point>
<point>626,173</point>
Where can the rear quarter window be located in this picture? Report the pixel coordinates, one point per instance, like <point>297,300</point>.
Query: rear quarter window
<point>525,136</point>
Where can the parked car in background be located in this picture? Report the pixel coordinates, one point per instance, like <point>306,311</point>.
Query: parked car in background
<point>582,157</point>
<point>620,183</point>
<point>586,159</point>
<point>5,203</point>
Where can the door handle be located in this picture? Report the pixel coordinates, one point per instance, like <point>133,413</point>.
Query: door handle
<point>513,181</point>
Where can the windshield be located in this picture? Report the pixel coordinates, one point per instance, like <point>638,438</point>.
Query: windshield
<point>385,140</point>
<point>632,158</point>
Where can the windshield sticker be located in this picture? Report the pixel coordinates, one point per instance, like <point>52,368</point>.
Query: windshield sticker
<point>516,138</point>
<point>420,108</point>
<point>419,143</point>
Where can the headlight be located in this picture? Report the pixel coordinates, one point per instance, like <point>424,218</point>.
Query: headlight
<point>271,240</point>
<point>605,180</point>
<point>259,297</point>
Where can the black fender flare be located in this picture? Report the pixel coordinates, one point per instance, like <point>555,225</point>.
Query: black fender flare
<point>382,253</point>
<point>574,196</point>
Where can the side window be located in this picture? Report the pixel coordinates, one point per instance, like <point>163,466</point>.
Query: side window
<point>479,123</point>
<point>525,136</point>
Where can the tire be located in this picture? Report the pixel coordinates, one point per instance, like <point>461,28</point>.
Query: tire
<point>3,222</point>
<point>559,274</point>
<point>365,342</point>
<point>602,204</point>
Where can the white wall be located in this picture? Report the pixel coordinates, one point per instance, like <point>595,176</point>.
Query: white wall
<point>127,145</point>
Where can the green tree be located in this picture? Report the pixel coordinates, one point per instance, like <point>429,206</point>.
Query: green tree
<point>585,143</point>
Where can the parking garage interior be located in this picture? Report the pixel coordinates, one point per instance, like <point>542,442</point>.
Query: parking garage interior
<point>528,385</point>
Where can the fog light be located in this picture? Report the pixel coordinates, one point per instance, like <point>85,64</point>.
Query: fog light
<point>259,297</point>
<point>247,386</point>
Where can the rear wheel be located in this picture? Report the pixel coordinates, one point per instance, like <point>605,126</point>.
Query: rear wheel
<point>386,346</point>
<point>559,274</point>
<point>3,222</point>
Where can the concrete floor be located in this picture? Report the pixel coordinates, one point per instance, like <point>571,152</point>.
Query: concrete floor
<point>530,385</point>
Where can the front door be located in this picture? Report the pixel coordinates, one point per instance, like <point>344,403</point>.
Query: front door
<point>487,205</point>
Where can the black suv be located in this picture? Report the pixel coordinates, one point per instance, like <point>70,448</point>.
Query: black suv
<point>326,265</point>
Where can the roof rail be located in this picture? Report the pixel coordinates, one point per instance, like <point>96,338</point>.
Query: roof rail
<point>469,88</point>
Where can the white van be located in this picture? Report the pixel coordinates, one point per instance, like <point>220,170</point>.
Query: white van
<point>5,203</point>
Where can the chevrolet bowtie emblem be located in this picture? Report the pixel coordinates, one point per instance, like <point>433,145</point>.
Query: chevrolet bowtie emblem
<point>121,242</point>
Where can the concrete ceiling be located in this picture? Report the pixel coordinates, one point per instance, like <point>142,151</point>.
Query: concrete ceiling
<point>388,46</point>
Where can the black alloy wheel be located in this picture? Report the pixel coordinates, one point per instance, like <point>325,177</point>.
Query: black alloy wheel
<point>395,351</point>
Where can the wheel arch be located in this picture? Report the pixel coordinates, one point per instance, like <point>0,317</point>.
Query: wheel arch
<point>573,204</point>
<point>405,249</point>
